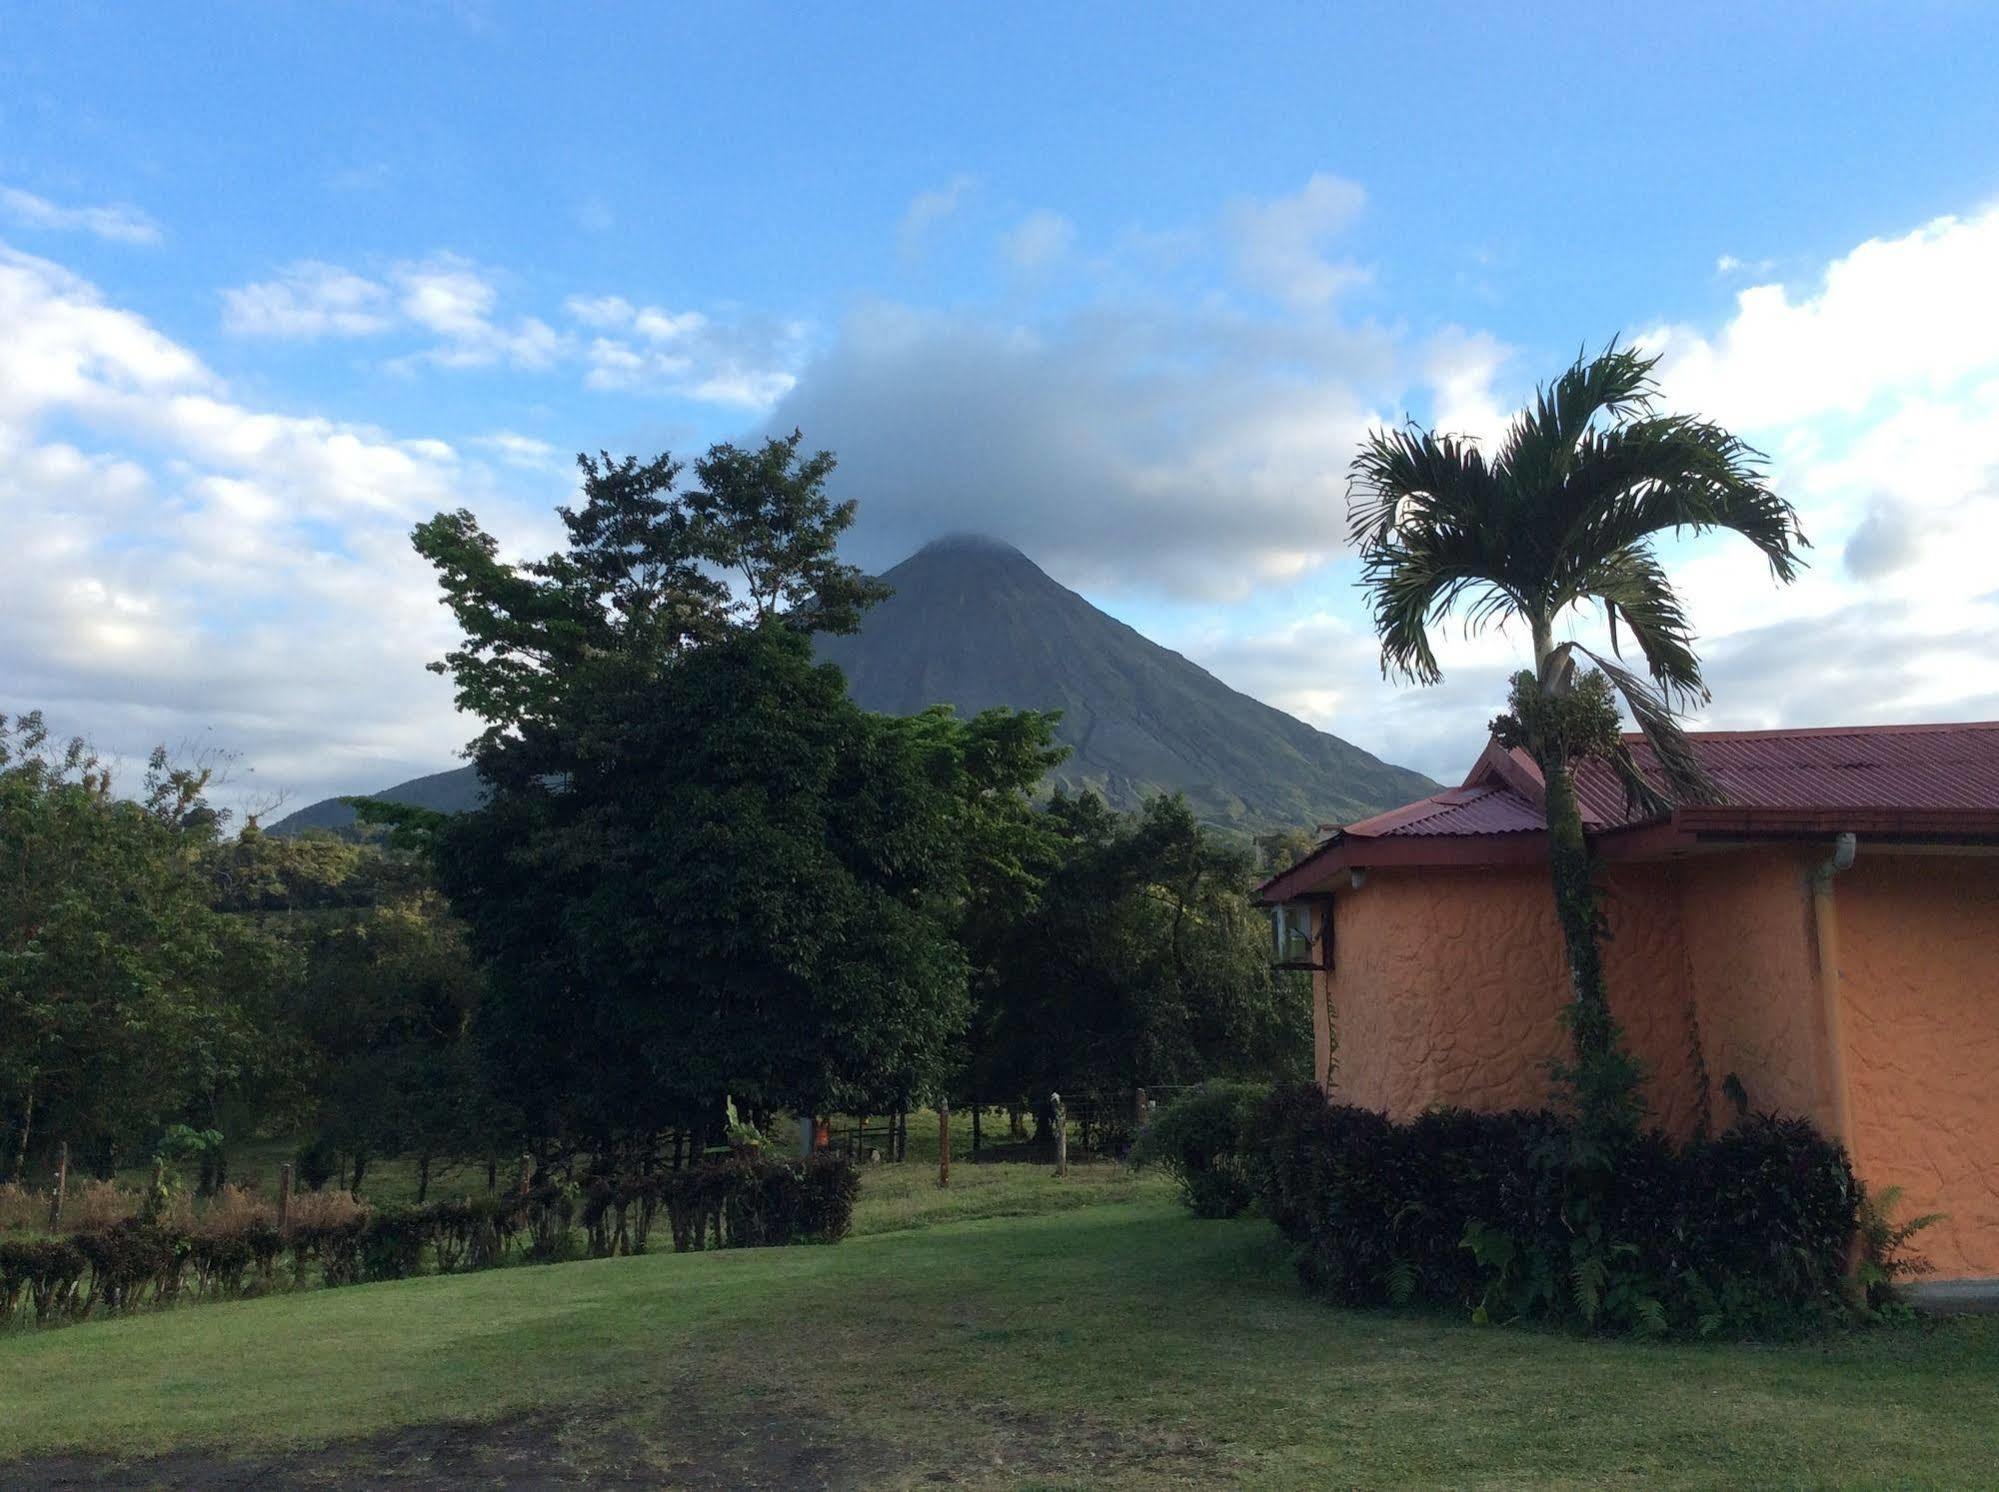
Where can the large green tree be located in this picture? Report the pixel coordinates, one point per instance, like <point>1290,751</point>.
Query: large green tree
<point>1562,517</point>
<point>702,870</point>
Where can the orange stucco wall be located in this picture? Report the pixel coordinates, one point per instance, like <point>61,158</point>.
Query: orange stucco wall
<point>1447,986</point>
<point>1918,954</point>
<point>1752,965</point>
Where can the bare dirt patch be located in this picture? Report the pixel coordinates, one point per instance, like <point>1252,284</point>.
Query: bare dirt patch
<point>531,1451</point>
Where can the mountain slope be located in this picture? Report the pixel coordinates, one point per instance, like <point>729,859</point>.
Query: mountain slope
<point>974,623</point>
<point>444,792</point>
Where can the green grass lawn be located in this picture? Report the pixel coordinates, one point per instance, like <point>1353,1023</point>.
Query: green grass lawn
<point>1112,1341</point>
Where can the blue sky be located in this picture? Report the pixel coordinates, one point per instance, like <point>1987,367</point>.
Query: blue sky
<point>1120,284</point>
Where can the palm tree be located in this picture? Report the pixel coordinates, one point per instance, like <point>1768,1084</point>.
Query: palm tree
<point>1563,515</point>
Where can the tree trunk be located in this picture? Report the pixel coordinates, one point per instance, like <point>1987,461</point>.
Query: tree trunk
<point>422,1178</point>
<point>27,1128</point>
<point>1603,1079</point>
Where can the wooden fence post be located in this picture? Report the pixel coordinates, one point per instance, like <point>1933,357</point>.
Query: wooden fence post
<point>284,1195</point>
<point>977,1114</point>
<point>1138,1114</point>
<point>526,1171</point>
<point>1061,1135</point>
<point>943,1142</point>
<point>62,1184</point>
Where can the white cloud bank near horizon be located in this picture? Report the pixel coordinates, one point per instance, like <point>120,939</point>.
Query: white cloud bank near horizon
<point>186,563</point>
<point>183,568</point>
<point>1874,389</point>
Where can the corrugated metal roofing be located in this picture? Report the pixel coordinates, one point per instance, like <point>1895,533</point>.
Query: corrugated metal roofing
<point>1462,810</point>
<point>1933,767</point>
<point>1889,766</point>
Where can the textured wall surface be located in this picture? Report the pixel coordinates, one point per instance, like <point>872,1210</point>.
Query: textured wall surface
<point>1447,988</point>
<point>1752,963</point>
<point>1919,964</point>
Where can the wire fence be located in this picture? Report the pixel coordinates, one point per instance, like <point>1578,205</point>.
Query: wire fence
<point>1097,1124</point>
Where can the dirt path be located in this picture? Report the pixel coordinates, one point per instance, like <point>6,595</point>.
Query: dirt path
<point>516,1454</point>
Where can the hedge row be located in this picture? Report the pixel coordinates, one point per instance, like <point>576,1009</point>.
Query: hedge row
<point>137,1261</point>
<point>1505,1216</point>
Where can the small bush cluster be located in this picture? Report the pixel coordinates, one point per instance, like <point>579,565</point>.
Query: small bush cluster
<point>121,1256</point>
<point>1508,1217</point>
<point>757,1203</point>
<point>1204,1141</point>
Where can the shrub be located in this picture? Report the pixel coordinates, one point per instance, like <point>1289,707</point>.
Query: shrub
<point>1204,1141</point>
<point>44,1273</point>
<point>98,1204</point>
<point>131,1257</point>
<point>756,1203</point>
<point>392,1241</point>
<point>831,1184</point>
<point>325,1227</point>
<point>21,1207</point>
<point>1496,1215</point>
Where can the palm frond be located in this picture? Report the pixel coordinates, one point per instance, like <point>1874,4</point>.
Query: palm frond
<point>1633,589</point>
<point>1674,473</point>
<point>1420,512</point>
<point>1686,781</point>
<point>1540,444</point>
<point>1410,475</point>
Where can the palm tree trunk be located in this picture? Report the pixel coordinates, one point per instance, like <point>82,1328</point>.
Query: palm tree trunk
<point>1576,909</point>
<point>1604,1079</point>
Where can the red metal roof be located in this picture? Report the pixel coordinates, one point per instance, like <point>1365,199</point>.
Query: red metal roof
<point>1913,781</point>
<point>1488,809</point>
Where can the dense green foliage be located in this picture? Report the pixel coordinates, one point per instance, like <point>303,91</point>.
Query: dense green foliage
<point>1205,1140</point>
<point>1564,515</point>
<point>1139,961</point>
<point>1747,1233</point>
<point>128,1002</point>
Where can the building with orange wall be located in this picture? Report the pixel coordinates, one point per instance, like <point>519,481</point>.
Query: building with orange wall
<point>1824,941</point>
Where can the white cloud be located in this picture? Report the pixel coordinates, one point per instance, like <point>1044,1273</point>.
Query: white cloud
<point>1894,316</point>
<point>455,299</point>
<point>523,451</point>
<point>119,223</point>
<point>1038,240</point>
<point>452,305</point>
<point>605,311</point>
<point>446,296</point>
<point>1281,245</point>
<point>927,210</point>
<point>306,301</point>
<point>184,566</point>
<point>1460,369</point>
<point>747,364</point>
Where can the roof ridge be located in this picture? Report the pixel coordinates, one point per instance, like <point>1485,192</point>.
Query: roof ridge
<point>1780,733</point>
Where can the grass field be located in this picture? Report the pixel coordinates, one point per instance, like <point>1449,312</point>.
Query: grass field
<point>1015,1331</point>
